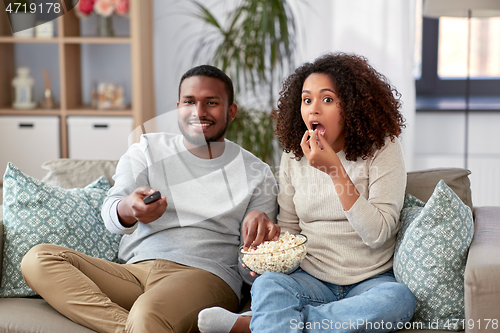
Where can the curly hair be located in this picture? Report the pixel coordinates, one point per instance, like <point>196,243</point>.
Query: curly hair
<point>370,105</point>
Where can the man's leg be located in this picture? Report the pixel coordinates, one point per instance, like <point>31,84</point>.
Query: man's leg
<point>174,295</point>
<point>92,292</point>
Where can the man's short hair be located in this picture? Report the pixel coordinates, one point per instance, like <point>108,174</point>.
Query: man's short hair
<point>210,71</point>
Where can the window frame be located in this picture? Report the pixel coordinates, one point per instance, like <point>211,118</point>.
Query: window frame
<point>430,85</point>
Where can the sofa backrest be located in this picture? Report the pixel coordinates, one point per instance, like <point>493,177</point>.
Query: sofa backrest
<point>71,173</point>
<point>421,184</point>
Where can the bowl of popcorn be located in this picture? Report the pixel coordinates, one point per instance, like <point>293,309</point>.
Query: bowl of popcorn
<point>283,255</point>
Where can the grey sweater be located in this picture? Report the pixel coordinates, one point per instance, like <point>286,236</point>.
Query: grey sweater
<point>207,202</point>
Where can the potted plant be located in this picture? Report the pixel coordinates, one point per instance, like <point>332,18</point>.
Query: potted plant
<point>255,47</point>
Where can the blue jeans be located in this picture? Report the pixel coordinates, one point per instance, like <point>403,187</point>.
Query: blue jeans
<point>301,303</point>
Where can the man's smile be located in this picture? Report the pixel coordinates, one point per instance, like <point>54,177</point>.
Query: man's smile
<point>200,124</point>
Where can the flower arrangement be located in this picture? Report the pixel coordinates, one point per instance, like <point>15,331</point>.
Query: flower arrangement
<point>104,8</point>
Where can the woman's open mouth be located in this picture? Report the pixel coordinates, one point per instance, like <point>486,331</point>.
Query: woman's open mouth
<point>315,125</point>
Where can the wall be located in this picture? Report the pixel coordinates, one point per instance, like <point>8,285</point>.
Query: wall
<point>177,31</point>
<point>323,26</point>
<point>440,142</point>
<point>176,34</point>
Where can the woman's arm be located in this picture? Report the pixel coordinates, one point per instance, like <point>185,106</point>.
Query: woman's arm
<point>374,218</point>
<point>287,217</point>
<point>326,160</point>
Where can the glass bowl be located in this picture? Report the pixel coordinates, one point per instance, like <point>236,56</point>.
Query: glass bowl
<point>265,259</point>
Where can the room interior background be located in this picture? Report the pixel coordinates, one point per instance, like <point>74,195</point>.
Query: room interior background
<point>382,30</point>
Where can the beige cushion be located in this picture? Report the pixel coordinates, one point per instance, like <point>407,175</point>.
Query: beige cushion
<point>30,315</point>
<point>482,283</point>
<point>421,184</point>
<point>71,173</point>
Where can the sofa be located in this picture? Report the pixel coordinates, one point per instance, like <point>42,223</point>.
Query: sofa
<point>481,279</point>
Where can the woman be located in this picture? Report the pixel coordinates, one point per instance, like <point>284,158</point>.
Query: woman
<point>342,182</point>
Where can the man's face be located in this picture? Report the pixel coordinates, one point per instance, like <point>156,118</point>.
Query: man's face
<point>204,113</point>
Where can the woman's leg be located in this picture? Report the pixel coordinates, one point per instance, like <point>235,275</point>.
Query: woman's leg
<point>378,304</point>
<point>92,292</point>
<point>296,304</point>
<point>278,301</point>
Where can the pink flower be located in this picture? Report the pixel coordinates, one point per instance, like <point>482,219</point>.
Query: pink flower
<point>104,7</point>
<point>85,7</point>
<point>122,7</point>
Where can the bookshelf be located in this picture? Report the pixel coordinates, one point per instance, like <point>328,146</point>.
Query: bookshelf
<point>69,43</point>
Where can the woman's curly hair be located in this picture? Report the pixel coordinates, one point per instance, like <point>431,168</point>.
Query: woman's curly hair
<point>370,105</point>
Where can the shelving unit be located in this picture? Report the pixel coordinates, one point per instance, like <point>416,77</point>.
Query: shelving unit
<point>69,48</point>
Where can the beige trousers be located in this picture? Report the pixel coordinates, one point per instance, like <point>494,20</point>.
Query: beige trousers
<point>150,296</point>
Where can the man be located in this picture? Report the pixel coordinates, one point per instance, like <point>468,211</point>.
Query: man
<point>179,253</point>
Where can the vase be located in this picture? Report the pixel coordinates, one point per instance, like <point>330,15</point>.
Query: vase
<point>105,26</point>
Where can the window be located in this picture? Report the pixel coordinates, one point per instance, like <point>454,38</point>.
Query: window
<point>441,70</point>
<point>485,48</point>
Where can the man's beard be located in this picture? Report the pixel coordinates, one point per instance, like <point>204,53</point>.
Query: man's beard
<point>201,140</point>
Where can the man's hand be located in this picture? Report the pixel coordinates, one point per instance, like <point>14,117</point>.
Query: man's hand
<point>132,208</point>
<point>258,227</point>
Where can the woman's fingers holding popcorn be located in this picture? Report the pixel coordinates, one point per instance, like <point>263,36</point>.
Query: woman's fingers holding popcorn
<point>304,143</point>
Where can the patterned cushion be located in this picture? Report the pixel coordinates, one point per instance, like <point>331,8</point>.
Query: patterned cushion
<point>430,255</point>
<point>36,213</point>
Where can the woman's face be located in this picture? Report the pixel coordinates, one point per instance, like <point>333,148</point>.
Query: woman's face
<point>321,109</point>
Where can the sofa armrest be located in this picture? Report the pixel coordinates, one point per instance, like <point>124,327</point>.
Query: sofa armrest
<point>482,272</point>
<point>1,241</point>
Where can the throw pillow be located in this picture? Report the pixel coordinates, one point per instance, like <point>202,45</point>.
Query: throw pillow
<point>36,213</point>
<point>430,255</point>
<point>70,173</point>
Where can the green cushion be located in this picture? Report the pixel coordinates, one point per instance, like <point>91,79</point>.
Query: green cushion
<point>36,213</point>
<point>430,255</point>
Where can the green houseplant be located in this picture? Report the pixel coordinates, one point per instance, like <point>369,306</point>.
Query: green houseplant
<point>255,47</point>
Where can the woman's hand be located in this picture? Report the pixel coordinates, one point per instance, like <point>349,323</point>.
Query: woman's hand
<point>320,154</point>
<point>132,208</point>
<point>322,157</point>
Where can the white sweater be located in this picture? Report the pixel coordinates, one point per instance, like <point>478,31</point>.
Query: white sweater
<point>345,247</point>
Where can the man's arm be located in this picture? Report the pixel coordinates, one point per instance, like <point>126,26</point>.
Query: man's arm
<point>124,206</point>
<point>259,223</point>
<point>133,208</point>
